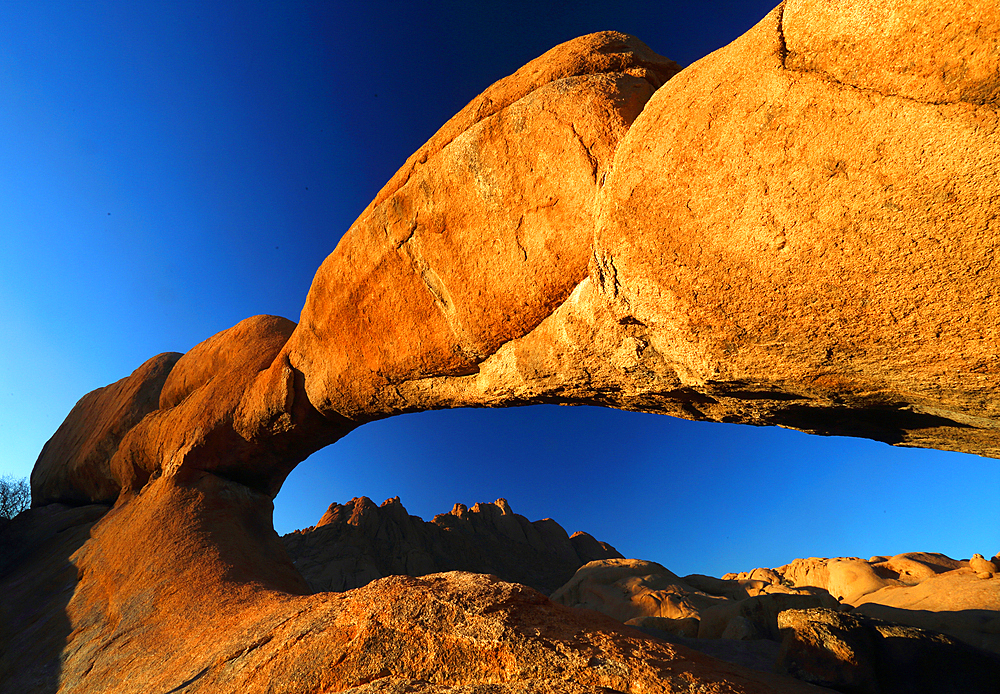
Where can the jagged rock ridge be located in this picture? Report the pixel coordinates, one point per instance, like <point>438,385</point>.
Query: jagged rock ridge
<point>358,542</point>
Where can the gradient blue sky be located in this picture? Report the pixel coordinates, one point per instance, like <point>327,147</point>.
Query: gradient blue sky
<point>168,169</point>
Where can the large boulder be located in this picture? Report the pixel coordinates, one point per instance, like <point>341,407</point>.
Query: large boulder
<point>628,589</point>
<point>646,594</point>
<point>483,233</point>
<point>846,578</point>
<point>232,409</point>
<point>862,655</point>
<point>960,603</point>
<point>771,246</point>
<point>804,225</point>
<point>74,465</point>
<point>757,617</point>
<point>927,590</point>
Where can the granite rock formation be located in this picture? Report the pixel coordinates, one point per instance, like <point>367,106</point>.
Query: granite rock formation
<point>206,600</point>
<point>913,621</point>
<point>358,542</point>
<point>647,595</point>
<point>796,230</point>
<point>75,464</point>
<point>863,655</point>
<point>919,589</point>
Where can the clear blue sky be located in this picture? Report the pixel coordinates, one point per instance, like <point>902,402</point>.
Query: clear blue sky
<point>168,169</point>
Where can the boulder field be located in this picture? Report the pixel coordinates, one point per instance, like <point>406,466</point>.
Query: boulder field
<point>906,623</point>
<point>796,230</point>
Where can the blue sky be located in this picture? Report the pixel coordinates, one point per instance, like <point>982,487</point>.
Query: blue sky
<point>168,169</point>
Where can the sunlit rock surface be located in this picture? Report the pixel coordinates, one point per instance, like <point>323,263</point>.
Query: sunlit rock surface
<point>796,230</point>
<point>960,598</point>
<point>914,619</point>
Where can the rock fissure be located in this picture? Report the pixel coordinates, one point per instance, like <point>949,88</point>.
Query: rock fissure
<point>820,39</point>
<point>782,45</point>
<point>517,238</point>
<point>607,274</point>
<point>868,91</point>
<point>188,682</point>
<point>435,286</point>
<point>590,155</point>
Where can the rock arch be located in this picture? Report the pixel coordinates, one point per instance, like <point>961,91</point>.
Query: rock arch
<point>792,231</point>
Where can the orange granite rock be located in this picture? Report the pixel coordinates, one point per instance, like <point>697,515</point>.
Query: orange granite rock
<point>479,239</point>
<point>74,466</point>
<point>186,586</point>
<point>231,409</point>
<point>796,230</point>
<point>821,251</point>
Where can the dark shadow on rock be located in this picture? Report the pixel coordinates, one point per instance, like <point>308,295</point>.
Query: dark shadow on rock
<point>977,628</point>
<point>886,423</point>
<point>37,581</point>
<point>358,542</point>
<point>757,654</point>
<point>854,653</point>
<point>941,668</point>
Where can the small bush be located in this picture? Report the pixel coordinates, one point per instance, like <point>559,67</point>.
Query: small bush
<point>15,496</point>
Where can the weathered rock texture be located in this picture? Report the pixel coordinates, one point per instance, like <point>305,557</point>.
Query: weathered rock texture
<point>786,620</point>
<point>75,464</point>
<point>36,582</point>
<point>759,241</point>
<point>862,655</point>
<point>482,234</point>
<point>920,589</point>
<point>646,594</point>
<point>186,587</point>
<point>803,227</point>
<point>359,542</point>
<point>798,229</point>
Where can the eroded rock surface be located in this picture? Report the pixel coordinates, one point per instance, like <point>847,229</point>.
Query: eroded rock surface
<point>483,233</point>
<point>912,622</point>
<point>75,464</point>
<point>827,246</point>
<point>187,587</point>
<point>921,589</point>
<point>358,542</point>
<point>798,230</point>
<point>646,594</point>
<point>863,655</point>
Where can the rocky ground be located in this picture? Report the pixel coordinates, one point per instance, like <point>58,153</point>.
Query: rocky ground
<point>889,624</point>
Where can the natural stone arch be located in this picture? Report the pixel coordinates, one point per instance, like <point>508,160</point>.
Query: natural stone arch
<point>765,245</point>
<point>771,237</point>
